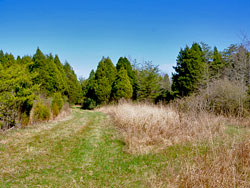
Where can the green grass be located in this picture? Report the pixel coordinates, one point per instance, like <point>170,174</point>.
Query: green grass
<point>84,151</point>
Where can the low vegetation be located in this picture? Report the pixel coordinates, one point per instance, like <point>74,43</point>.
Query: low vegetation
<point>41,112</point>
<point>206,150</point>
<point>146,128</point>
<point>86,149</point>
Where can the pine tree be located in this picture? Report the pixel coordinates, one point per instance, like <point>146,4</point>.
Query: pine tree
<point>122,87</point>
<point>190,70</point>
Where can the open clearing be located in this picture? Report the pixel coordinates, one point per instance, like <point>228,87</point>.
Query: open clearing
<point>86,150</point>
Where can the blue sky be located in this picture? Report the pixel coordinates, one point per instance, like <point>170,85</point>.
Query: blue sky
<point>81,32</point>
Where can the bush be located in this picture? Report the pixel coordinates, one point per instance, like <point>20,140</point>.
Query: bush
<point>57,104</point>
<point>164,96</point>
<point>220,97</point>
<point>89,104</point>
<point>41,112</point>
<point>227,98</point>
<point>57,99</point>
<point>55,109</point>
<point>25,119</point>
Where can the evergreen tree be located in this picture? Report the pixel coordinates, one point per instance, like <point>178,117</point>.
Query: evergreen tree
<point>61,75</point>
<point>149,82</point>
<point>1,56</point>
<point>103,90</point>
<point>105,76</point>
<point>54,84</point>
<point>190,70</point>
<point>16,93</point>
<point>40,67</point>
<point>50,74</point>
<point>90,86</point>
<point>122,87</point>
<point>106,69</point>
<point>6,59</point>
<point>73,91</point>
<point>125,63</point>
<point>90,98</point>
<point>216,65</point>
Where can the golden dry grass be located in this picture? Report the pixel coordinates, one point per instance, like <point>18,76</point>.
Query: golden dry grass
<point>207,151</point>
<point>222,166</point>
<point>146,127</point>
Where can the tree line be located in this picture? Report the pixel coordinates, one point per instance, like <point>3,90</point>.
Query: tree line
<point>111,83</point>
<point>199,68</point>
<point>22,80</point>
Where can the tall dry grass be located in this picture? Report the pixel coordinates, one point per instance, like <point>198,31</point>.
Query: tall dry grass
<point>146,127</point>
<point>222,166</point>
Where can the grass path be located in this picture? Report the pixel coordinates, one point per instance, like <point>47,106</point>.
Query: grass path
<point>84,150</point>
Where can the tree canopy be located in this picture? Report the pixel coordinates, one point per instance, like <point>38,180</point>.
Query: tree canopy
<point>190,70</point>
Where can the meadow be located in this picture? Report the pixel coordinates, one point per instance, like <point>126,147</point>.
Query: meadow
<point>127,145</point>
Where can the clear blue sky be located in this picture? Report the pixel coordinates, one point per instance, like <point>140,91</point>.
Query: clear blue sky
<point>81,32</point>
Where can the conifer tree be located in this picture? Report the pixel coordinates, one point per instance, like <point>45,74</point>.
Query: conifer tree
<point>105,76</point>
<point>216,65</point>
<point>190,70</point>
<point>122,87</point>
<point>148,81</point>
<point>106,69</point>
<point>6,59</point>
<point>16,93</point>
<point>90,86</point>
<point>103,90</point>
<point>40,67</point>
<point>125,63</point>
<point>90,98</point>
<point>74,88</point>
<point>61,75</point>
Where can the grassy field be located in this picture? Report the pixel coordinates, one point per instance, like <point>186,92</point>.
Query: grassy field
<point>87,150</point>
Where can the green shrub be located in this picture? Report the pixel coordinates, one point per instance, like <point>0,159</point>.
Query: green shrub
<point>25,119</point>
<point>57,104</point>
<point>57,99</point>
<point>89,104</point>
<point>41,112</point>
<point>55,109</point>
